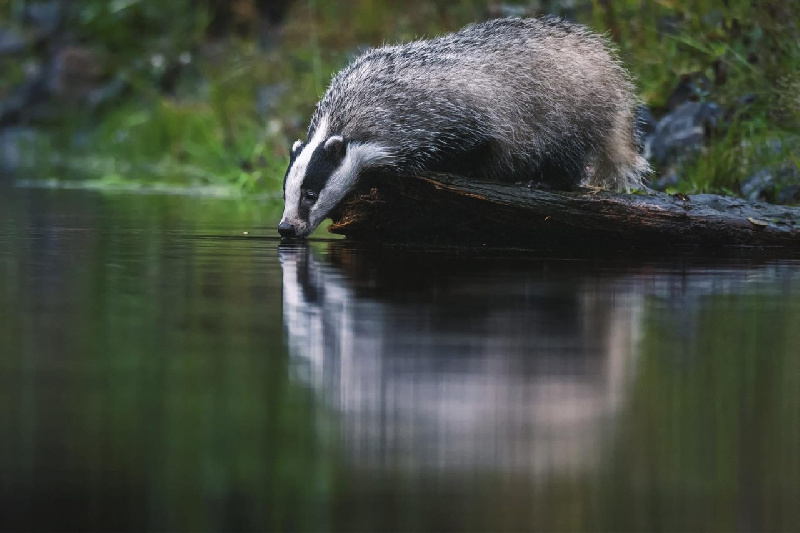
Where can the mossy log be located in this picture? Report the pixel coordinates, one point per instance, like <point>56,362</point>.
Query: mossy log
<point>448,209</point>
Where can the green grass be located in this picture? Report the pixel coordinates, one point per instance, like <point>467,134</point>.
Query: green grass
<point>740,51</point>
<point>209,132</point>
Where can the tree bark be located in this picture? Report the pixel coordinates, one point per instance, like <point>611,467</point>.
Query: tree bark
<point>448,209</point>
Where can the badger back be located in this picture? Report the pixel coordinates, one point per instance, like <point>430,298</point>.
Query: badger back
<point>524,86</point>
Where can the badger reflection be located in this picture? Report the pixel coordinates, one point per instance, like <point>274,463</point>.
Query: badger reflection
<point>457,363</point>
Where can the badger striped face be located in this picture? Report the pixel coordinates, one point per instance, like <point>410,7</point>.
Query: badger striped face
<point>321,173</point>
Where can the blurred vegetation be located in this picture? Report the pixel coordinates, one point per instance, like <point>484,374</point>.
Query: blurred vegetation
<point>744,56</point>
<point>213,92</point>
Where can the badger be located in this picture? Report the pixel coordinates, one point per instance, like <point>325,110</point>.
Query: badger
<point>542,101</point>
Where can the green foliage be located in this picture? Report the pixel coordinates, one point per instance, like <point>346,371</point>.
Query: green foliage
<point>191,116</point>
<point>733,50</point>
<point>187,142</point>
<point>126,29</point>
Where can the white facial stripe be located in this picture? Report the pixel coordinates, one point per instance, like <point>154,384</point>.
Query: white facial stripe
<point>333,140</point>
<point>298,173</point>
<point>357,158</point>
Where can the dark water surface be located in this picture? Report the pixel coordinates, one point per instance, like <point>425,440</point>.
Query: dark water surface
<point>160,370</point>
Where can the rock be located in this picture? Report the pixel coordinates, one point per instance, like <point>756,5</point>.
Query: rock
<point>12,149</point>
<point>47,16</point>
<point>682,132</point>
<point>111,92</point>
<point>24,101</point>
<point>75,72</point>
<point>788,195</point>
<point>645,125</point>
<point>690,88</point>
<point>779,186</point>
<point>665,181</point>
<point>11,42</point>
<point>753,187</point>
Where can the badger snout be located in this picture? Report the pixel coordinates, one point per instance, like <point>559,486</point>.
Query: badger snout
<point>287,230</point>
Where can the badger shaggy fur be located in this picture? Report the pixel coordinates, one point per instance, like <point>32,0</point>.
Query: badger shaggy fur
<point>533,100</point>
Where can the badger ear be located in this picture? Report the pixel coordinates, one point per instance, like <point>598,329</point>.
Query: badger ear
<point>336,146</point>
<point>297,144</point>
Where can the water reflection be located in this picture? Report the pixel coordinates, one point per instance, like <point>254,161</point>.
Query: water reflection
<point>515,392</point>
<point>143,379</point>
<point>465,364</point>
<point>145,384</point>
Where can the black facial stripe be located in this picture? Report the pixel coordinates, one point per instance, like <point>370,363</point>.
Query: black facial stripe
<point>320,168</point>
<point>304,210</point>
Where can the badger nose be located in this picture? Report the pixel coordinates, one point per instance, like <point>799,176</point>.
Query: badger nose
<point>286,230</point>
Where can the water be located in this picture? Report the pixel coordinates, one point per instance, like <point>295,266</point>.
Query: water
<point>162,370</point>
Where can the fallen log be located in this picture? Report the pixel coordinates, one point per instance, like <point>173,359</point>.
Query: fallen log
<point>447,209</point>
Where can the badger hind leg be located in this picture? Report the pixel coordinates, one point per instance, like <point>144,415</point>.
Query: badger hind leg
<point>617,163</point>
<point>563,173</point>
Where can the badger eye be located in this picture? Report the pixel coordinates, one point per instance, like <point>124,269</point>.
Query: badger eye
<point>310,196</point>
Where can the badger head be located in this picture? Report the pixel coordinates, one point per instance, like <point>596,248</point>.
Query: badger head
<point>321,172</point>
